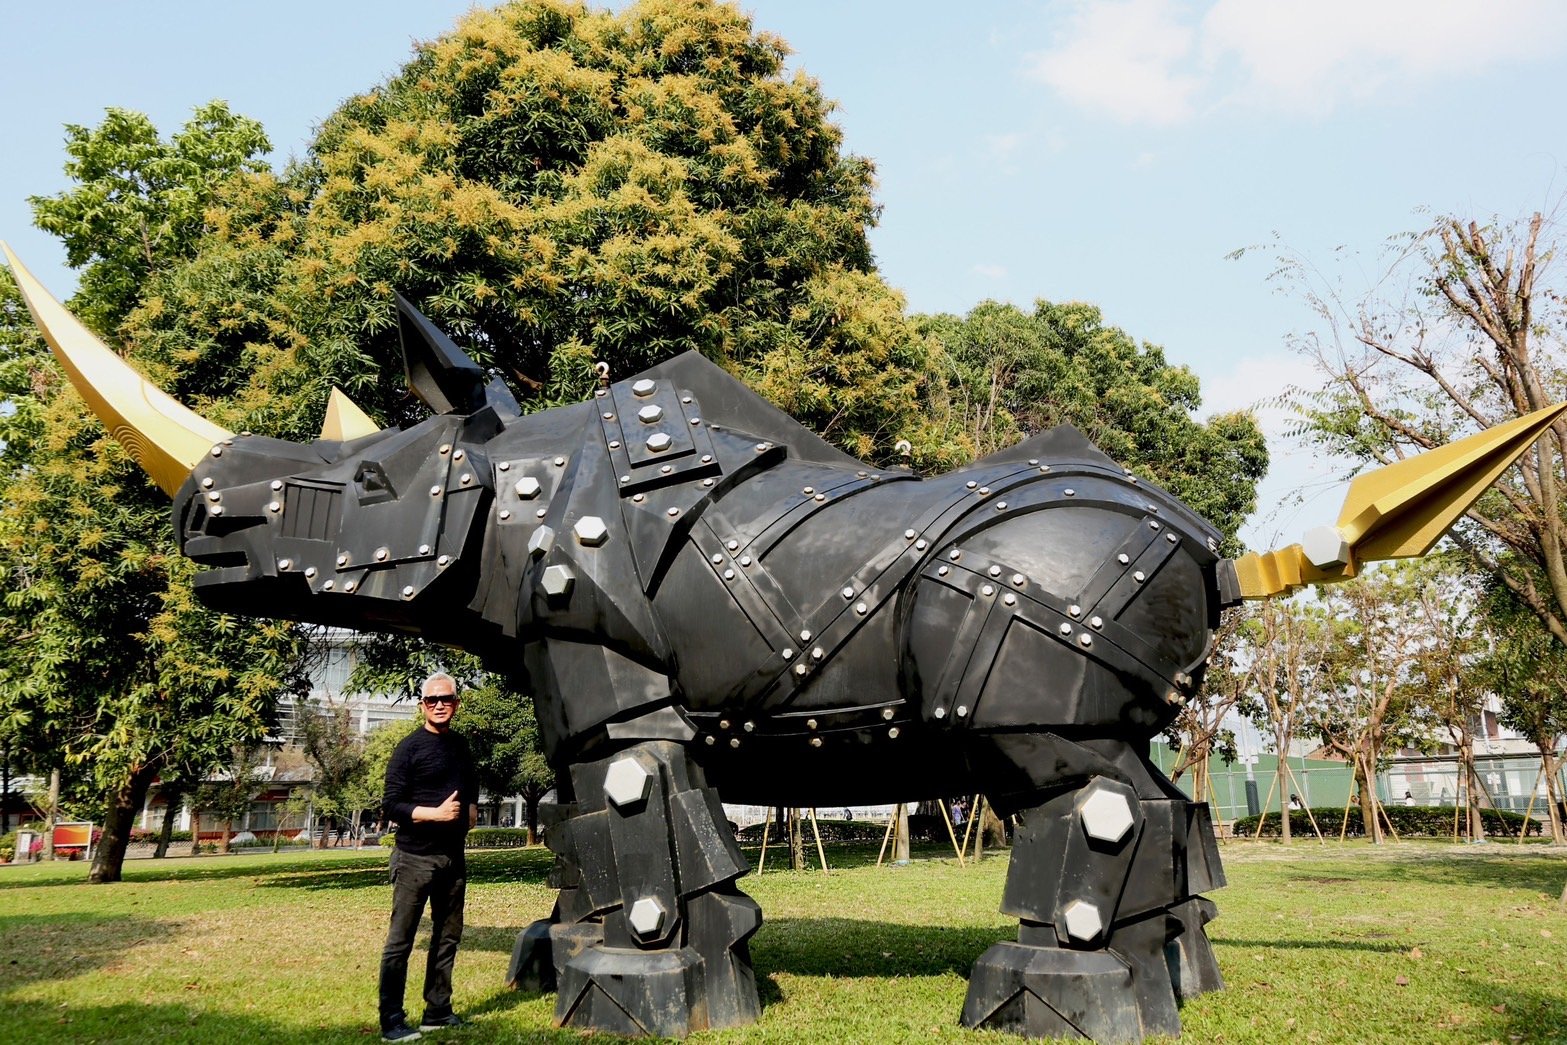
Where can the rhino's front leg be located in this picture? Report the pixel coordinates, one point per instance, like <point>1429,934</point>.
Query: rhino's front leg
<point>650,933</point>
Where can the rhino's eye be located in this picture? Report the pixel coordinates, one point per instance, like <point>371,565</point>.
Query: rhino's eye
<point>372,483</point>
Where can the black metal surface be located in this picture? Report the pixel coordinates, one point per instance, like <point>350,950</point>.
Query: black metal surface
<point>686,578</point>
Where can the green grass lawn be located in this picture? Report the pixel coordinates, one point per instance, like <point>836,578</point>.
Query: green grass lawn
<point>1410,943</point>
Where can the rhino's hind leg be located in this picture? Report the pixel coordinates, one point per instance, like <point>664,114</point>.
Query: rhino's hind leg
<point>1104,880</point>
<point>650,933</point>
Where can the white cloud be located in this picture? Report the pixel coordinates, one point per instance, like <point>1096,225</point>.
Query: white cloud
<point>1003,146</point>
<point>1163,62</point>
<point>991,271</point>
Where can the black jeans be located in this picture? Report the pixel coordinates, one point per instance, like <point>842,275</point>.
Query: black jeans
<point>443,881</point>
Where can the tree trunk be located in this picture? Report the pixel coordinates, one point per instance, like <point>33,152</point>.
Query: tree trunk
<point>228,831</point>
<point>52,813</point>
<point>796,842</point>
<point>1472,816</point>
<point>109,860</point>
<point>171,810</point>
<point>5,789</point>
<point>991,829</point>
<point>900,836</point>
<point>1552,766</point>
<point>530,803</point>
<point>195,830</point>
<point>326,823</point>
<point>1366,778</point>
<point>1281,785</point>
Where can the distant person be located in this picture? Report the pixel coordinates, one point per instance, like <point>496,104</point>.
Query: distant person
<point>432,794</point>
<point>1409,799</point>
<point>1295,801</point>
<point>957,814</point>
<point>848,814</point>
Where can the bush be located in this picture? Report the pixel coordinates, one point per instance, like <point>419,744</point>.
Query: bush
<point>389,839</point>
<point>832,831</point>
<point>149,836</point>
<point>497,838</point>
<point>1408,821</point>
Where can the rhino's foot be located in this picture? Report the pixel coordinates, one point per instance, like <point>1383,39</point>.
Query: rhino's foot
<point>650,934</point>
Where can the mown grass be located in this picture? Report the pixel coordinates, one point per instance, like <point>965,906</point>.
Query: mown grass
<point>1409,943</point>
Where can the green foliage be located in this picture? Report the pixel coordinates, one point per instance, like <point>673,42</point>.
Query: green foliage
<point>504,739</point>
<point>1408,821</point>
<point>1009,374</point>
<point>377,755</point>
<point>339,785</point>
<point>497,838</point>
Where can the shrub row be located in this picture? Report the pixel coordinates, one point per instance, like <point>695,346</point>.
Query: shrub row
<point>1408,821</point>
<point>498,838</point>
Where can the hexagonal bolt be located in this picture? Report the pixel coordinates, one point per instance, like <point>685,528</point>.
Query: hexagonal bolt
<point>658,442</point>
<point>1107,815</point>
<point>1325,548</point>
<point>644,387</point>
<point>650,414</point>
<point>646,916</point>
<point>591,531</point>
<point>1083,921</point>
<point>541,542</point>
<point>557,581</point>
<point>527,487</point>
<point>626,782</point>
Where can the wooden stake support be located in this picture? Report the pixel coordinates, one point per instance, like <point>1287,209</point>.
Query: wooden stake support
<point>946,817</point>
<point>821,854</point>
<point>892,823</point>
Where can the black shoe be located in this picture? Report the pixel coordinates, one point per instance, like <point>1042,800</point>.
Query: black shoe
<point>400,1032</point>
<point>451,1022</point>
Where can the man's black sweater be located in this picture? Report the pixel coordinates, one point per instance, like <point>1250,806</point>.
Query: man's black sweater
<point>425,769</point>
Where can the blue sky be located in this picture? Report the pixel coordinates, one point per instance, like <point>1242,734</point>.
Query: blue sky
<point>1112,151</point>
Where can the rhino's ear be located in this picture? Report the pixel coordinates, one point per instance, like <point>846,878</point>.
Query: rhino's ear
<point>440,373</point>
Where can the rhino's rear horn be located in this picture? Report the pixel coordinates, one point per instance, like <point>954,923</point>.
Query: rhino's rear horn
<point>440,373</point>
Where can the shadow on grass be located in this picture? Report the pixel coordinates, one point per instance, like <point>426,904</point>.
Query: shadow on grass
<point>202,869</point>
<point>59,946</point>
<point>1222,942</point>
<point>492,867</point>
<point>1507,870</point>
<point>1524,1016</point>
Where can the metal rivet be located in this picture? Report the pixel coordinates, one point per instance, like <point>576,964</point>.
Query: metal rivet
<point>650,414</point>
<point>277,484</point>
<point>1065,628</point>
<point>504,515</point>
<point>625,479</point>
<point>443,561</point>
<point>718,560</point>
<point>673,512</point>
<point>666,469</point>
<point>761,447</point>
<point>1033,460</point>
<point>788,654</point>
<point>606,415</point>
<point>971,484</point>
<point>559,461</point>
<point>808,490</point>
<point>749,726</point>
<point>994,571</point>
<point>1152,525</point>
<point>216,509</point>
<point>909,535</point>
<point>465,479</point>
<point>381,553</point>
<point>215,497</point>
<point>707,458</point>
<point>745,560</point>
<point>984,491</point>
<point>1096,622</point>
<point>734,741</point>
<point>711,739</point>
<point>1085,640</point>
<point>614,444</point>
<point>638,498</point>
<point>729,575</point>
<point>943,571</point>
<point>1139,576</point>
<point>541,513</point>
<point>645,387</point>
<point>1001,506</point>
<point>695,420</point>
<point>206,484</point>
<point>285,564</point>
<point>1044,468</point>
<point>1074,611</point>
<point>893,733</point>
<point>601,393</point>
<point>424,549</point>
<point>810,723</point>
<point>1171,538</point>
<point>818,653</point>
<point>658,442</point>
<point>816,741</point>
<point>847,593</point>
<point>327,586</point>
<point>435,491</point>
<point>342,560</point>
<point>1122,559</point>
<point>505,466</point>
<point>1018,579</point>
<point>732,545</point>
<point>886,714</point>
<point>920,545</point>
<point>685,399</point>
<point>446,448</point>
<point>1010,600</point>
<point>1070,492</point>
<point>723,723</point>
<point>800,669</point>
<point>987,590</point>
<point>861,608</point>
<point>459,455</point>
<point>349,586</point>
<point>820,497</point>
<point>310,571</point>
<point>805,636</point>
<point>954,555</point>
<point>217,451</point>
<point>408,591</point>
<point>941,712</point>
<point>707,482</point>
<point>962,711</point>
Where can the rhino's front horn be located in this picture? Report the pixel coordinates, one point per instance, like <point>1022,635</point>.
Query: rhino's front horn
<point>161,435</point>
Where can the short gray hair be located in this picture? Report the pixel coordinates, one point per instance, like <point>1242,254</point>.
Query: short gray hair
<point>439,676</point>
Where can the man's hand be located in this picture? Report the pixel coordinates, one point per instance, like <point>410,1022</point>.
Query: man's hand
<point>444,813</point>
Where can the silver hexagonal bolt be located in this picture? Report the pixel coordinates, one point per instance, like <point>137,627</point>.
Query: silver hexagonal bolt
<point>1083,921</point>
<point>527,487</point>
<point>591,531</point>
<point>650,414</point>
<point>1107,815</point>
<point>557,581</point>
<point>646,916</point>
<point>626,782</point>
<point>658,442</point>
<point>541,542</point>
<point>1325,548</point>
<point>644,387</point>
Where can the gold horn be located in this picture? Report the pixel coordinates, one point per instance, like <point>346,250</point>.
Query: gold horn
<point>344,419</point>
<point>1396,512</point>
<point>160,434</point>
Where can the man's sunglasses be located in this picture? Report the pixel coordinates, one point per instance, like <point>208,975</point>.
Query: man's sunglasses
<point>431,702</point>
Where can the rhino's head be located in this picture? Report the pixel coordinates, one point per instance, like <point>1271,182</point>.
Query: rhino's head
<point>362,528</point>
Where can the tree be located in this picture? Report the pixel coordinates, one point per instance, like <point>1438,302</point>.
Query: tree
<point>1007,374</point>
<point>110,667</point>
<point>337,754</point>
<point>228,791</point>
<point>504,739</point>
<point>1199,731</point>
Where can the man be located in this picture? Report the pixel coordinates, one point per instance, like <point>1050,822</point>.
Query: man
<point>432,795</point>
